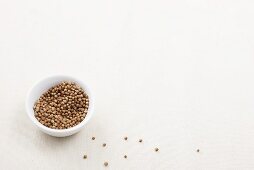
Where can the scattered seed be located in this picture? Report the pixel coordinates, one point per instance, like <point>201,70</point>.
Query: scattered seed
<point>93,138</point>
<point>85,156</point>
<point>105,163</point>
<point>197,150</point>
<point>125,156</point>
<point>156,149</point>
<point>104,144</point>
<point>140,140</point>
<point>125,138</point>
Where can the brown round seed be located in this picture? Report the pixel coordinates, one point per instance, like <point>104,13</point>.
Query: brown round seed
<point>104,144</point>
<point>140,140</point>
<point>105,163</point>
<point>126,138</point>
<point>156,149</point>
<point>198,150</point>
<point>85,156</point>
<point>125,156</point>
<point>93,138</point>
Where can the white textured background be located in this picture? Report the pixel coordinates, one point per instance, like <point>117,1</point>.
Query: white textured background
<point>177,73</point>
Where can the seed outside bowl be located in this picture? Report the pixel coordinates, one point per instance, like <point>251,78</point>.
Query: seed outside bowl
<point>42,86</point>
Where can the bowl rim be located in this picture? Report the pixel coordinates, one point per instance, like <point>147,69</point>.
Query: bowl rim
<point>61,131</point>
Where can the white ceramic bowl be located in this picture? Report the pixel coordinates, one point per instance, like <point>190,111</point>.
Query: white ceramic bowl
<point>42,86</point>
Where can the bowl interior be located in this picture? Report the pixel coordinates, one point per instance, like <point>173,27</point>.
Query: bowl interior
<point>42,86</point>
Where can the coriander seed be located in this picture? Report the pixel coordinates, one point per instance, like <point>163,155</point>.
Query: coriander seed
<point>156,149</point>
<point>104,144</point>
<point>105,163</point>
<point>126,138</point>
<point>93,138</point>
<point>125,156</point>
<point>85,156</point>
<point>140,140</point>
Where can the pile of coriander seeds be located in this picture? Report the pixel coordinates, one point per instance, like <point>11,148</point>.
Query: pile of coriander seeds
<point>63,106</point>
